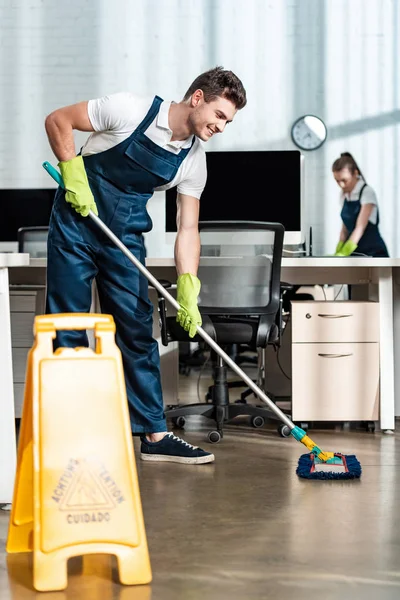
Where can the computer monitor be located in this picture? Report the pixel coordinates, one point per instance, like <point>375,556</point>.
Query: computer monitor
<point>23,208</point>
<point>261,185</point>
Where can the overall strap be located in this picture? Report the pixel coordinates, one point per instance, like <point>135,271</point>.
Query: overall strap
<point>151,114</point>
<point>361,191</point>
<point>377,209</point>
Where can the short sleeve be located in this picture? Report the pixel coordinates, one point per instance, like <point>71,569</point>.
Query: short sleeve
<point>116,112</point>
<point>193,183</point>
<point>368,196</point>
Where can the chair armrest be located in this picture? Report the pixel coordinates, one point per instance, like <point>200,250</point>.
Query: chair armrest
<point>286,287</point>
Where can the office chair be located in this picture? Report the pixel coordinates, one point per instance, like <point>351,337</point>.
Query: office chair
<point>239,302</point>
<point>33,240</point>
<point>259,360</point>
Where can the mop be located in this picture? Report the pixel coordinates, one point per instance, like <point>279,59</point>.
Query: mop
<point>317,464</point>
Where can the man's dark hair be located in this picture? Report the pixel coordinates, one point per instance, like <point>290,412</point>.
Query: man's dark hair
<point>219,83</point>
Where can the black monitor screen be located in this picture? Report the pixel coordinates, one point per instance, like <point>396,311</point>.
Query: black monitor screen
<point>23,208</point>
<point>248,186</point>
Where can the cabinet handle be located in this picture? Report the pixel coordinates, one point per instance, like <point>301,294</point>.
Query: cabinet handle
<point>334,355</point>
<point>327,316</point>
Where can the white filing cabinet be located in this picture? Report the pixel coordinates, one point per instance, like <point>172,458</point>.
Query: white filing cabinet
<point>335,361</point>
<point>23,306</point>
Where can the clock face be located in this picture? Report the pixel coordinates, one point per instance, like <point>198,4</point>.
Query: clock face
<point>309,132</point>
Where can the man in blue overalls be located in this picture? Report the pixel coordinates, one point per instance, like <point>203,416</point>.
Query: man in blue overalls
<point>137,146</point>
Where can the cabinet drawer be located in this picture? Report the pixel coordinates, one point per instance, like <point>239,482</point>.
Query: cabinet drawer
<point>335,382</point>
<point>19,357</point>
<point>22,329</point>
<point>22,301</point>
<point>335,322</point>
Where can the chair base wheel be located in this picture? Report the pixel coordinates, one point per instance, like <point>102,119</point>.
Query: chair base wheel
<point>284,430</point>
<point>258,422</point>
<point>178,422</point>
<point>214,437</point>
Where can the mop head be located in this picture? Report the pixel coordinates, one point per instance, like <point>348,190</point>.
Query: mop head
<point>324,465</point>
<point>338,467</point>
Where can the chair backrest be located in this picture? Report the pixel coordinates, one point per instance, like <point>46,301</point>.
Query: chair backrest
<point>33,240</point>
<point>240,267</point>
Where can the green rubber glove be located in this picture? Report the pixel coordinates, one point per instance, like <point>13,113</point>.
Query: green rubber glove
<point>188,288</point>
<point>347,249</point>
<point>78,192</point>
<point>339,247</point>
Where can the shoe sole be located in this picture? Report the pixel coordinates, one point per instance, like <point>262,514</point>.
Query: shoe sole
<point>199,460</point>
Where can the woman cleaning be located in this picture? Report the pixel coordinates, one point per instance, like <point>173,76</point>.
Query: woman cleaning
<point>360,215</point>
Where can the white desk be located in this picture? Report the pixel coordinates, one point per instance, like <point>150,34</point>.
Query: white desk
<point>384,272</point>
<point>7,423</point>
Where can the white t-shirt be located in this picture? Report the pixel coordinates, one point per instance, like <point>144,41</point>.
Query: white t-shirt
<point>368,196</point>
<point>114,118</point>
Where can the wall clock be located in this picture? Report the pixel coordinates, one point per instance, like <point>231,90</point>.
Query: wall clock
<point>309,132</point>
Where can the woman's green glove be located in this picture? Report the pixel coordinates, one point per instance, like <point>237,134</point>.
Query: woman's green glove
<point>347,249</point>
<point>339,247</point>
<point>77,189</point>
<point>188,288</point>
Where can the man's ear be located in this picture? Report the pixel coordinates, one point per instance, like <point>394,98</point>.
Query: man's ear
<point>197,98</point>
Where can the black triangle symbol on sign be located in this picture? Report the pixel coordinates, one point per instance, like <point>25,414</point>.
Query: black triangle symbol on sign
<point>87,492</point>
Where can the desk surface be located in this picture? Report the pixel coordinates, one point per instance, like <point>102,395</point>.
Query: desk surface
<point>311,261</point>
<point>13,259</point>
<point>286,262</point>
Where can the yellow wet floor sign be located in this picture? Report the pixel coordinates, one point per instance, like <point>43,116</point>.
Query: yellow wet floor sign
<point>76,490</point>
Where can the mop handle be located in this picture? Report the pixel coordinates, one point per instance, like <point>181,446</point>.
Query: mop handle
<point>281,415</point>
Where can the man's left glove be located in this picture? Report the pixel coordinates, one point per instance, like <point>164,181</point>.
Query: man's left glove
<point>77,188</point>
<point>347,249</point>
<point>188,288</point>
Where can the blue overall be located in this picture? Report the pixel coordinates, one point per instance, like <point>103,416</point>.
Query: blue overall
<point>122,180</point>
<point>371,242</point>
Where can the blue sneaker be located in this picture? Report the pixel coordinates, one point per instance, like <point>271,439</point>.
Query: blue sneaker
<point>173,449</point>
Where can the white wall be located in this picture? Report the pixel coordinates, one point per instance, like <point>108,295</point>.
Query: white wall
<point>337,59</point>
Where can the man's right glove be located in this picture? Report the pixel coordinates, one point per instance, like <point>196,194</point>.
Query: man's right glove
<point>77,189</point>
<point>187,290</point>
